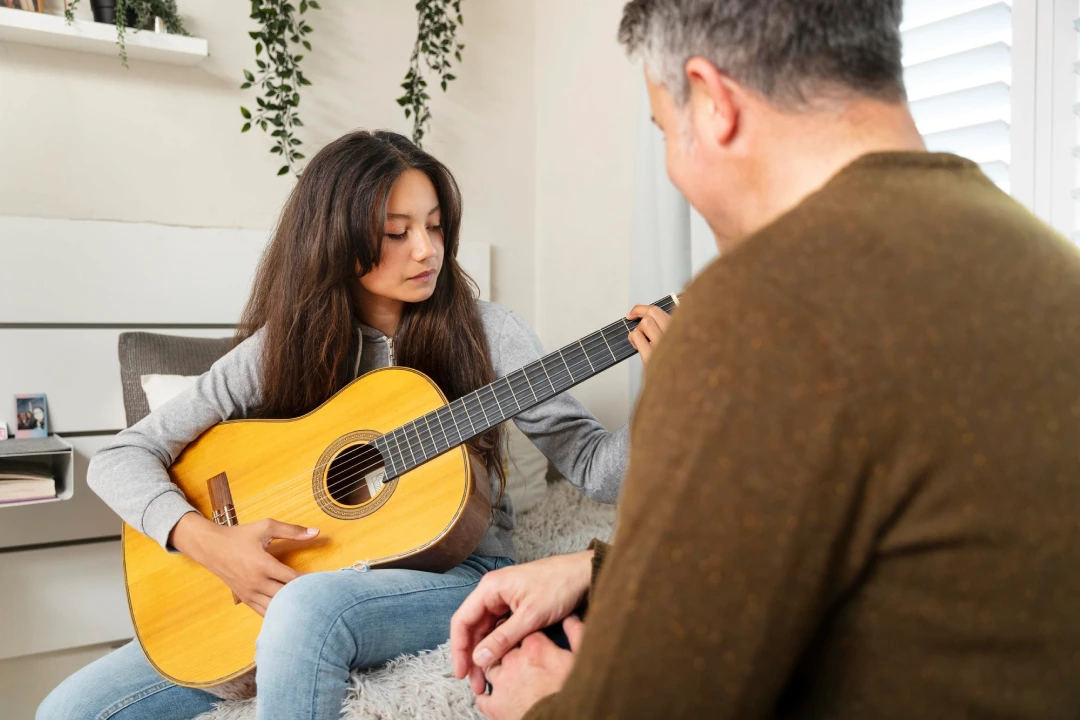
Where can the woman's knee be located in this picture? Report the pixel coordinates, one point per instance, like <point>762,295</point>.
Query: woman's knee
<point>301,615</point>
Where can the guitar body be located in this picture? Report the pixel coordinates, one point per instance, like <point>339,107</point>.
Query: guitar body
<point>192,629</point>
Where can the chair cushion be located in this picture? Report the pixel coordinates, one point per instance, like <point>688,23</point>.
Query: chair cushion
<point>144,353</point>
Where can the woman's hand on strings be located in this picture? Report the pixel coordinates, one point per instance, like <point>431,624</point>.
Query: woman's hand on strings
<point>238,554</point>
<point>654,323</point>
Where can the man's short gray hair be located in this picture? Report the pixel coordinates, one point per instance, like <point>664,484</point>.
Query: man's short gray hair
<point>789,51</point>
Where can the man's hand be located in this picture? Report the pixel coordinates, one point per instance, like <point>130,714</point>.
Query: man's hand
<point>529,673</point>
<point>654,323</point>
<point>238,554</point>
<point>535,595</point>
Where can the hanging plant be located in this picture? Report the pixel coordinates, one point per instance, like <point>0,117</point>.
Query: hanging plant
<point>143,12</point>
<point>436,42</point>
<point>278,79</point>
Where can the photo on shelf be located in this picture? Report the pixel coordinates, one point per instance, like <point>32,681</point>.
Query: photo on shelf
<point>32,415</point>
<point>31,5</point>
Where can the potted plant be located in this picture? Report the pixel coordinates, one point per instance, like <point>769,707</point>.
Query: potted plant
<point>138,14</point>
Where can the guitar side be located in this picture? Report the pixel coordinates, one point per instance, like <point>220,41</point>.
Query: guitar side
<point>189,625</point>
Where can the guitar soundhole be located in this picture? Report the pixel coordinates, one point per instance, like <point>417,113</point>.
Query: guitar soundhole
<point>356,475</point>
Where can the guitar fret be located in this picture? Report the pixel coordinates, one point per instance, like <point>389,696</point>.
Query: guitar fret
<point>408,446</point>
<point>525,374</point>
<point>604,338</point>
<point>512,394</point>
<point>587,359</point>
<point>434,445</point>
<point>497,403</point>
<point>481,404</point>
<point>419,440</point>
<point>446,438</point>
<point>544,368</point>
<point>461,437</point>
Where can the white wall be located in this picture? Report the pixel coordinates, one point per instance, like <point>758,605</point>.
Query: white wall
<point>82,137</point>
<point>586,104</point>
<point>538,129</point>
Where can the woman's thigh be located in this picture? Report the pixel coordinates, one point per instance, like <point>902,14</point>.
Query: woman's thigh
<point>122,686</point>
<point>365,618</point>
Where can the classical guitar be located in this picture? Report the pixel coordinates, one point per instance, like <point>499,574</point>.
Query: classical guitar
<point>380,468</point>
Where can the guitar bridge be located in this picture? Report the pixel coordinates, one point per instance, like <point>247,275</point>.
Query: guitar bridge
<point>222,504</point>
<point>221,500</point>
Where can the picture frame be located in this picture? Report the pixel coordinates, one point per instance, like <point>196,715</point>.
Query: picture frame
<point>31,416</point>
<point>3,430</point>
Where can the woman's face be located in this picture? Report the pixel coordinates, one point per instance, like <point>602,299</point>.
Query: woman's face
<point>412,248</point>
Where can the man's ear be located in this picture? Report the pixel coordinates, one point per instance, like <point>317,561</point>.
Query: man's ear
<point>714,106</point>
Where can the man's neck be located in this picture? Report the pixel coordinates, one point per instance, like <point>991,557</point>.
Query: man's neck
<point>809,149</point>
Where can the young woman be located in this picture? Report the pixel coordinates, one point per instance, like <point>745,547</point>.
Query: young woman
<point>361,273</point>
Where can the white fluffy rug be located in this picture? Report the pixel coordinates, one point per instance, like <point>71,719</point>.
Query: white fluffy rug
<point>423,686</point>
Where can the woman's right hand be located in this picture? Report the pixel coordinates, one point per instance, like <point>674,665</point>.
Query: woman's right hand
<point>238,554</point>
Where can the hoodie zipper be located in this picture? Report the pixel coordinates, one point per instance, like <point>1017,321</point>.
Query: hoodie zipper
<point>390,346</point>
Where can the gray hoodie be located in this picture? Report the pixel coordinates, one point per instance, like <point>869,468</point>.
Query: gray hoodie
<point>130,474</point>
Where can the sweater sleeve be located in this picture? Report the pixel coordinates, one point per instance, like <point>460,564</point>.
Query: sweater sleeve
<point>736,524</point>
<point>131,475</point>
<point>591,458</point>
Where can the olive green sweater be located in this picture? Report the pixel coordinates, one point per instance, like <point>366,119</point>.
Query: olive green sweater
<point>854,484</point>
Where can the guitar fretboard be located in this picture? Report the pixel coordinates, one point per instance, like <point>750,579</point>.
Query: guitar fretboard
<point>457,422</point>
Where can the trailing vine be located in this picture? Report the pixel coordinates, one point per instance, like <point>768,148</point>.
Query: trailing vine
<point>278,79</point>
<point>143,10</point>
<point>436,42</point>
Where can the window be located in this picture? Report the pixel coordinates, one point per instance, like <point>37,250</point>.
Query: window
<point>958,68</point>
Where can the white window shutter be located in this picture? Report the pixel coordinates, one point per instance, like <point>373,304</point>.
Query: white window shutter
<point>958,72</point>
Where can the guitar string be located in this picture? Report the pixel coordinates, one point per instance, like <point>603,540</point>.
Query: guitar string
<point>358,452</point>
<point>277,501</point>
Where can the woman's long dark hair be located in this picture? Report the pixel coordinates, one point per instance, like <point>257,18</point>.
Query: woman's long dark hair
<point>301,297</point>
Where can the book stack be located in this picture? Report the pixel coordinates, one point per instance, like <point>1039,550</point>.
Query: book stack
<point>22,481</point>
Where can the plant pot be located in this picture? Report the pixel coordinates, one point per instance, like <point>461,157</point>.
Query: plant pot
<point>105,12</point>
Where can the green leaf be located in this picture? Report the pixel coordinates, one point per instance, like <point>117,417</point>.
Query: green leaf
<point>303,6</point>
<point>245,112</point>
<point>276,149</point>
<point>284,169</point>
<point>297,123</point>
<point>298,156</point>
<point>249,76</point>
<point>253,35</point>
<point>247,126</point>
<point>258,49</point>
<point>245,86</point>
<point>314,4</point>
<point>407,113</point>
<point>307,45</point>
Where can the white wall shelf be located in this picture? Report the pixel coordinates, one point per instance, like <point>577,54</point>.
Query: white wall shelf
<point>30,28</point>
<point>52,452</point>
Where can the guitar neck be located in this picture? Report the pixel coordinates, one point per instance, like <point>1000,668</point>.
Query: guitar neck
<point>455,423</point>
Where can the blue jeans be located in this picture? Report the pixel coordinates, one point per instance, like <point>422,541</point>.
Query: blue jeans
<point>316,629</point>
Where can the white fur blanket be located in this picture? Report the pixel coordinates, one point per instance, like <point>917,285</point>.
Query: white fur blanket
<point>423,686</point>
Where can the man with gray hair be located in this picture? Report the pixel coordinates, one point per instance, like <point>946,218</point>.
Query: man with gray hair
<point>854,482</point>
